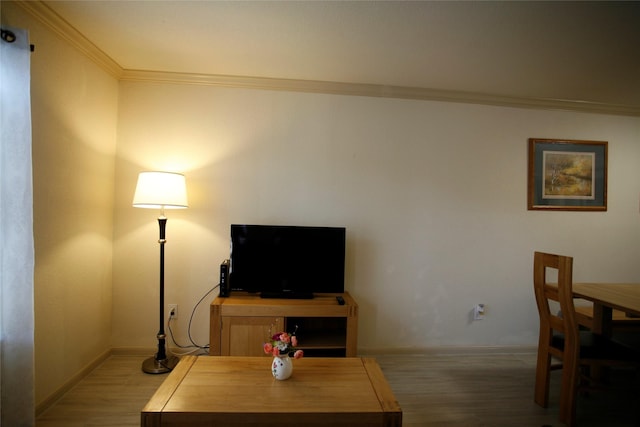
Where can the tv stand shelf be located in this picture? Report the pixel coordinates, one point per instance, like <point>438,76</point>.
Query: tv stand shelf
<point>241,323</point>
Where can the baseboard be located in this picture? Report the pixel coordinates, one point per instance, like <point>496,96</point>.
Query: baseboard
<point>452,350</point>
<point>149,352</point>
<point>364,351</point>
<point>134,351</point>
<point>55,396</point>
<point>442,350</point>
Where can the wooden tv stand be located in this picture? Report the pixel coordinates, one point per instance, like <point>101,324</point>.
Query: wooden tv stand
<point>241,323</point>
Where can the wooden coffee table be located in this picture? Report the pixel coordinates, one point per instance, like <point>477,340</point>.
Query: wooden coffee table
<point>230,391</point>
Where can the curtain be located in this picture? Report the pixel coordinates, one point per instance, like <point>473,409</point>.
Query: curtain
<point>17,405</point>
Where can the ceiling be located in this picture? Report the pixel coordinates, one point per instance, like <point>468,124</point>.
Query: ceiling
<point>583,52</point>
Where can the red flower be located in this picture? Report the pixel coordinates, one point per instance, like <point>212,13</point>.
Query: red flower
<point>285,338</point>
<point>268,347</point>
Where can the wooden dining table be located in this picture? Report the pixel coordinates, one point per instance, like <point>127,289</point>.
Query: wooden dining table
<point>606,297</point>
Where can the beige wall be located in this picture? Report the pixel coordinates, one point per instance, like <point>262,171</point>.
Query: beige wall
<point>433,196</point>
<point>74,106</point>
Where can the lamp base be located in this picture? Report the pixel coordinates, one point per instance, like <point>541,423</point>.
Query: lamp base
<point>154,366</point>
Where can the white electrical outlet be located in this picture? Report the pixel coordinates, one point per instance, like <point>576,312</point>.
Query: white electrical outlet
<point>173,308</point>
<point>478,312</point>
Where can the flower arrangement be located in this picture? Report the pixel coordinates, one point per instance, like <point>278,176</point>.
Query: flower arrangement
<point>283,343</point>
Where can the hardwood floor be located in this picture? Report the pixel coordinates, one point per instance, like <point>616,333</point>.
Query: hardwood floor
<point>496,390</point>
<point>112,395</point>
<point>432,389</point>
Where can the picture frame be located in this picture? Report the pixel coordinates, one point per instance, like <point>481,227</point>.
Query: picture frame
<point>567,175</point>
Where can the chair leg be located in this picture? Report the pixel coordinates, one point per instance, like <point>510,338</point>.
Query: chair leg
<point>569,389</point>
<point>543,374</point>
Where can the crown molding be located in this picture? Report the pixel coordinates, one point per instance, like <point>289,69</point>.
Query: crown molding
<point>374,90</point>
<point>40,10</point>
<point>43,13</point>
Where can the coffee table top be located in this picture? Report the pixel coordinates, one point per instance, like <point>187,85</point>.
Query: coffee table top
<point>351,391</point>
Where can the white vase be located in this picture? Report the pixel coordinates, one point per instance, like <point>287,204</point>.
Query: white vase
<point>281,367</point>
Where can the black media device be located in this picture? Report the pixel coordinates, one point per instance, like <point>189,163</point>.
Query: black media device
<point>287,261</point>
<point>224,278</point>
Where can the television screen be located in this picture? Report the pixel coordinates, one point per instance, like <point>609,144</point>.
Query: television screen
<point>287,261</point>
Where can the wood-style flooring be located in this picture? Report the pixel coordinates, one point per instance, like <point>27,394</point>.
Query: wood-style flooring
<point>432,389</point>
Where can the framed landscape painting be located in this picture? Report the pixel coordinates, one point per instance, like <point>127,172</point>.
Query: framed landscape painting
<point>567,175</point>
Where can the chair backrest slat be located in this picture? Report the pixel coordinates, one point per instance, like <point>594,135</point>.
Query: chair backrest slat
<point>562,292</point>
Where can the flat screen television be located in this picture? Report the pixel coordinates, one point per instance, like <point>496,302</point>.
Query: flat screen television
<point>287,261</point>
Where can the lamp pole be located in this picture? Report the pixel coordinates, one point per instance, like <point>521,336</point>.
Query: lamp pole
<point>162,224</point>
<point>160,363</point>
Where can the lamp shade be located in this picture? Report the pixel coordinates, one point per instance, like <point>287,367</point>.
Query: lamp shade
<point>163,190</point>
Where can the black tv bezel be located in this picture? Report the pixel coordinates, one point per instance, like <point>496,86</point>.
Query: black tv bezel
<point>317,261</point>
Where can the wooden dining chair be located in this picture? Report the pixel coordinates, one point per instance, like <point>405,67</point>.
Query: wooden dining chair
<point>560,338</point>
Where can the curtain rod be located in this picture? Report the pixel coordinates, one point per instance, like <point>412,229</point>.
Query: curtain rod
<point>10,37</point>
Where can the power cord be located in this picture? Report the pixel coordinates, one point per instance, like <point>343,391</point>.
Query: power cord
<point>193,312</point>
<point>196,347</point>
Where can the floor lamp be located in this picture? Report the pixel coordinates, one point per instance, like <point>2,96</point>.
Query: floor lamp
<point>160,190</point>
